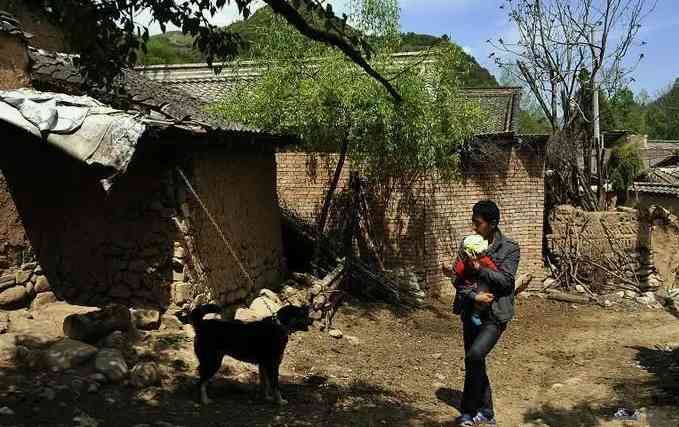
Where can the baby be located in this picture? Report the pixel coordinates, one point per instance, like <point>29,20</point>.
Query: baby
<point>473,248</point>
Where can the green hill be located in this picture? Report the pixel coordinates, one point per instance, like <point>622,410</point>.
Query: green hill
<point>662,115</point>
<point>174,47</point>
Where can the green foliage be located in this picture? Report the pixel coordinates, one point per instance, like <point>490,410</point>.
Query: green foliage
<point>254,36</point>
<point>662,115</point>
<point>314,92</point>
<point>164,50</point>
<point>624,165</point>
<point>533,122</point>
<point>626,113</point>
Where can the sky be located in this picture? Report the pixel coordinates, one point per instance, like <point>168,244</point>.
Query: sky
<point>471,22</point>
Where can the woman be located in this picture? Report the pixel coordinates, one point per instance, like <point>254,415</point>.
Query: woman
<point>494,298</point>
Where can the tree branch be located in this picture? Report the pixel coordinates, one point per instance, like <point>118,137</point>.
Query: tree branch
<point>295,19</point>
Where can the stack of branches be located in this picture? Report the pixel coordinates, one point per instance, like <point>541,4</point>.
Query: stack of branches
<point>350,244</point>
<point>592,270</point>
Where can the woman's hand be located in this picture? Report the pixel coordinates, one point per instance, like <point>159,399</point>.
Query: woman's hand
<point>447,271</point>
<point>484,298</point>
<point>475,264</point>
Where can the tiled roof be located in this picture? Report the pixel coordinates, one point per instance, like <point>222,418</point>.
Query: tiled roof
<point>500,103</point>
<point>656,151</point>
<point>650,187</point>
<point>56,72</point>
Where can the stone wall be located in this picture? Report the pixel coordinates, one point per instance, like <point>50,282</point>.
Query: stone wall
<point>238,189</point>
<point>596,232</point>
<point>420,223</point>
<point>14,244</point>
<point>93,247</point>
<point>634,244</point>
<point>140,244</point>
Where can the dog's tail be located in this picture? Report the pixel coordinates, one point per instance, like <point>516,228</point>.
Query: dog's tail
<point>197,314</point>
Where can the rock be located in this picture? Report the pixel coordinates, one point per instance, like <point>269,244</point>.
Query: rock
<point>48,393</point>
<point>271,296</point>
<point>43,299</point>
<point>8,347</point>
<point>630,294</point>
<point>170,321</point>
<point>7,281</point>
<point>93,388</point>
<point>608,303</point>
<point>111,363</point>
<point>352,340</point>
<point>29,266</point>
<point>264,307</point>
<point>247,315</point>
<point>67,354</point>
<point>144,375</point>
<point>13,298</point>
<point>6,411</point>
<point>92,326</point>
<point>146,319</point>
<point>30,358</point>
<point>178,274</point>
<point>182,292</point>
<point>620,294</point>
<point>437,356</point>
<point>97,377</point>
<point>36,340</point>
<point>77,385</point>
<point>548,283</point>
<point>647,298</point>
<point>115,339</point>
<point>30,289</point>
<point>42,284</point>
<point>580,289</point>
<point>315,290</point>
<point>335,333</point>
<point>22,276</point>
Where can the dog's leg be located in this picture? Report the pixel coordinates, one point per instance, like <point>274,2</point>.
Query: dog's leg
<point>276,386</point>
<point>207,369</point>
<point>264,384</point>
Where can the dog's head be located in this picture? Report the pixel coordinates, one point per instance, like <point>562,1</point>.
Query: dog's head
<point>295,318</point>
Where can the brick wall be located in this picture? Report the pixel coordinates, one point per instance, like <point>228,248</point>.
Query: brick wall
<point>423,221</point>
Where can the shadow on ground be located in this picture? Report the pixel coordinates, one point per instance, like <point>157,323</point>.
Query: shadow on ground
<point>660,392</point>
<point>313,401</point>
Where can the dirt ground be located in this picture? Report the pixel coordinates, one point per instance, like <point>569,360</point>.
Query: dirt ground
<point>557,365</point>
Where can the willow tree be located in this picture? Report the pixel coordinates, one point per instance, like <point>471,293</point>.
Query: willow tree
<point>317,94</point>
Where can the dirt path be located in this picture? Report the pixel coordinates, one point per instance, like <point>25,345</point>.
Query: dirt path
<point>555,366</point>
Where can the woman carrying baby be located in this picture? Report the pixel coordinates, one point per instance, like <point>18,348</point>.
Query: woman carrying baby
<point>484,298</point>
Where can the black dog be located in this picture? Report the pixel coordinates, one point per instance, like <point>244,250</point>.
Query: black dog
<point>262,343</point>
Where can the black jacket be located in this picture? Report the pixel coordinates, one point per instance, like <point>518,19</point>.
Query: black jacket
<point>505,254</point>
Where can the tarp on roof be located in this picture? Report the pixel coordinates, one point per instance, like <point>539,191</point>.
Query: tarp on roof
<point>80,126</point>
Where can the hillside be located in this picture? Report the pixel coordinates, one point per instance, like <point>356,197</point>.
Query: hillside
<point>174,47</point>
<point>662,115</point>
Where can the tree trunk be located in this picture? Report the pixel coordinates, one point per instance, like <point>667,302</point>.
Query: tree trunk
<point>323,218</point>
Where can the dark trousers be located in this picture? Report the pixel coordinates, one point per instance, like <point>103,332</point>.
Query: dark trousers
<point>478,342</point>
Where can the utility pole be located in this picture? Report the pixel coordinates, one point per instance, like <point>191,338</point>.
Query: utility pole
<point>596,137</point>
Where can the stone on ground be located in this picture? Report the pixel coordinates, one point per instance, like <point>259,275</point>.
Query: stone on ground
<point>111,363</point>
<point>67,354</point>
<point>145,319</point>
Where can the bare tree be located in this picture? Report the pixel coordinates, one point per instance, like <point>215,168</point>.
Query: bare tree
<point>566,52</point>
